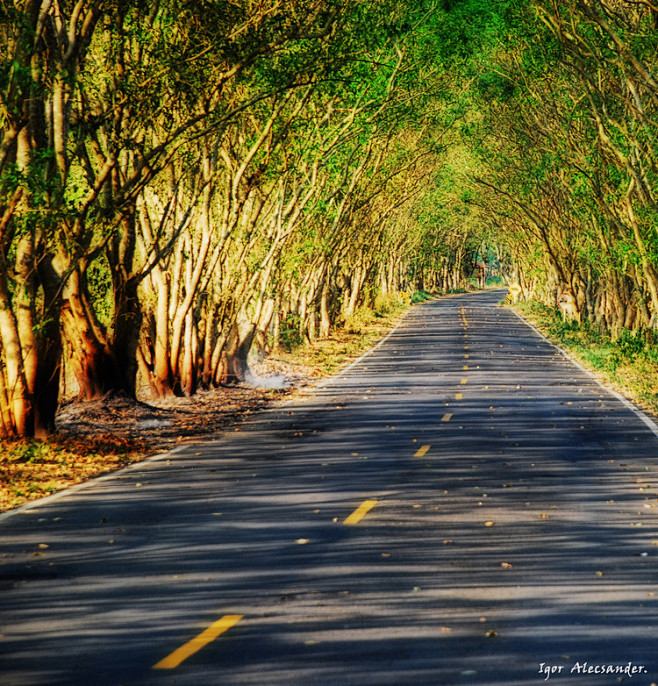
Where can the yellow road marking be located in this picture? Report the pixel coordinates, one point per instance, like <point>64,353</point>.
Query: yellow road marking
<point>466,356</point>
<point>464,381</point>
<point>360,512</point>
<point>446,417</point>
<point>421,451</point>
<point>465,367</point>
<point>210,634</point>
<point>459,396</point>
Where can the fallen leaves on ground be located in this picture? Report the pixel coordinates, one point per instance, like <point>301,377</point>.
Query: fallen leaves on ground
<point>109,433</point>
<point>30,469</point>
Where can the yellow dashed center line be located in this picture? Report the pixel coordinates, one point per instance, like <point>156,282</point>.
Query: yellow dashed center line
<point>360,512</point>
<point>210,634</point>
<point>466,357</point>
<point>464,381</point>
<point>446,417</point>
<point>465,367</point>
<point>421,451</point>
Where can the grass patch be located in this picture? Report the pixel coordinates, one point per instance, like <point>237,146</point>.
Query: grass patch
<point>324,357</point>
<point>421,297</point>
<point>629,363</point>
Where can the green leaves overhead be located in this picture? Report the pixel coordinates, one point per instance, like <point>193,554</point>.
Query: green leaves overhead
<point>179,178</point>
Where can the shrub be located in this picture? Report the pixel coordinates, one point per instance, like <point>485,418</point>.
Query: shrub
<point>359,321</point>
<point>420,296</point>
<point>290,336</point>
<point>391,302</point>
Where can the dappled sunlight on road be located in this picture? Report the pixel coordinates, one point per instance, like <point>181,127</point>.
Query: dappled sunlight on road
<point>523,534</point>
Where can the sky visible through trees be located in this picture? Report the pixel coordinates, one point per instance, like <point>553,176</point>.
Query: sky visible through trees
<point>183,183</point>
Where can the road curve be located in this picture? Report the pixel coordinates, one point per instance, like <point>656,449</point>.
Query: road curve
<point>463,505</point>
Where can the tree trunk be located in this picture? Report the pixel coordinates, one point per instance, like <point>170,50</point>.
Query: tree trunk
<point>92,363</point>
<point>17,411</point>
<point>162,377</point>
<point>325,321</point>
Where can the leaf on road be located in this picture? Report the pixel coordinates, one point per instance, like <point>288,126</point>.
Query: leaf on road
<point>506,565</point>
<point>489,523</point>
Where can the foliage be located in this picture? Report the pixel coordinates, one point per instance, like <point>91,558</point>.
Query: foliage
<point>421,296</point>
<point>192,181</point>
<point>290,336</point>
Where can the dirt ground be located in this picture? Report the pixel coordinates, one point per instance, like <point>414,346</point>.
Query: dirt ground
<point>97,437</point>
<point>100,436</point>
<point>154,425</point>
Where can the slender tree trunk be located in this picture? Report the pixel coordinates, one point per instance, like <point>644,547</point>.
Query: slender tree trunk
<point>162,377</point>
<point>325,321</point>
<point>18,408</point>
<point>49,369</point>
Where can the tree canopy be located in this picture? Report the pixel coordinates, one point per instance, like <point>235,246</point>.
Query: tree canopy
<point>180,182</point>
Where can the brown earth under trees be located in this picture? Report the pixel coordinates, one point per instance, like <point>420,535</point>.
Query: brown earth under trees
<point>99,436</point>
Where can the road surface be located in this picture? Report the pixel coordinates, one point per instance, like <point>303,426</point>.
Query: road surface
<point>461,506</point>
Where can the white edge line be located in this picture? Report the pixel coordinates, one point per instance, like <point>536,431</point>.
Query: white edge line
<point>22,509</point>
<point>625,401</point>
<point>366,354</point>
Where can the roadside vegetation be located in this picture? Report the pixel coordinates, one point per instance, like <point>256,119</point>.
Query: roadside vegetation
<point>186,184</point>
<point>628,363</point>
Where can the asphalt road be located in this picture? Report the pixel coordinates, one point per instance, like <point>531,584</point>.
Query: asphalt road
<point>503,531</point>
